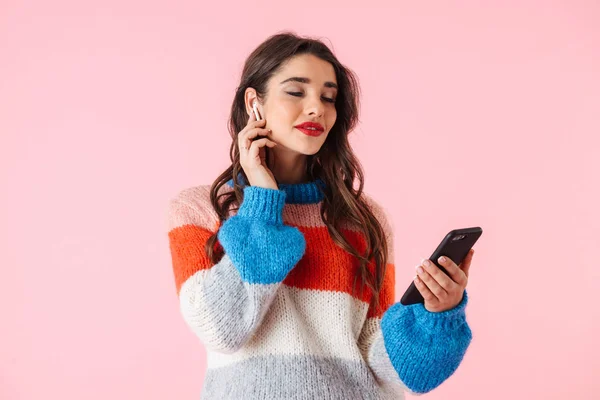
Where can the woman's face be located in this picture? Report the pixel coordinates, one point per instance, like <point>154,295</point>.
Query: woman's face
<point>291,103</point>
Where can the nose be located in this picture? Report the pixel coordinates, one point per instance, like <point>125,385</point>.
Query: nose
<point>315,106</point>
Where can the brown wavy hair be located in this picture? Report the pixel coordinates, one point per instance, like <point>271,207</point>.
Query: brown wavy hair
<point>334,163</point>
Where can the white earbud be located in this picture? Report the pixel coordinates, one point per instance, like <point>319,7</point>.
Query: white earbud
<point>256,112</point>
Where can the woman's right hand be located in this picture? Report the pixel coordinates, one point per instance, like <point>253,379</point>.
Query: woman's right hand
<point>252,153</point>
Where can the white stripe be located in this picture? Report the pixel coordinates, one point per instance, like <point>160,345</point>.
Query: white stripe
<point>304,322</point>
<point>202,317</point>
<point>369,332</point>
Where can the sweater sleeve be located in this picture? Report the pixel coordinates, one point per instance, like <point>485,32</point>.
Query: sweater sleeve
<point>409,348</point>
<point>224,303</point>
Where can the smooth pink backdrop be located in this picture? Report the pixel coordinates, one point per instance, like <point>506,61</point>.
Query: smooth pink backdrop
<point>474,114</point>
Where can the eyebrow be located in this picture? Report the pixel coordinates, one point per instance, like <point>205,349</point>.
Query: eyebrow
<point>307,80</point>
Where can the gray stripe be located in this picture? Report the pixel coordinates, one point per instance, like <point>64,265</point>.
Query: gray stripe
<point>295,377</point>
<point>221,309</point>
<point>381,365</point>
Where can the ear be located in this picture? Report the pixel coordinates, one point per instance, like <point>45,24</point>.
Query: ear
<point>250,98</point>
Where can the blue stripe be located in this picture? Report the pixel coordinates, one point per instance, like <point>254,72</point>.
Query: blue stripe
<point>425,347</point>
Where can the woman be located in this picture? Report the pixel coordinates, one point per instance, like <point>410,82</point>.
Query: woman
<point>285,271</point>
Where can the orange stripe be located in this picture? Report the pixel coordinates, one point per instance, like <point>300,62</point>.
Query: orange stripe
<point>387,292</point>
<point>324,266</point>
<point>187,252</point>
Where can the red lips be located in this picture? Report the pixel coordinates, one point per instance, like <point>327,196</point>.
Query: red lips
<point>307,125</point>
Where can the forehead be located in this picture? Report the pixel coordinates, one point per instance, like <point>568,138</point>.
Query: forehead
<point>308,66</point>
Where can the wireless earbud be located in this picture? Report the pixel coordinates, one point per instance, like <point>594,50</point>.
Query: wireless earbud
<point>256,112</point>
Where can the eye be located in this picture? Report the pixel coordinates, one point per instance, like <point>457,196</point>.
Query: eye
<point>298,94</point>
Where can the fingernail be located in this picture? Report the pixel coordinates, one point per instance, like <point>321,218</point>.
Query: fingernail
<point>420,269</point>
<point>442,259</point>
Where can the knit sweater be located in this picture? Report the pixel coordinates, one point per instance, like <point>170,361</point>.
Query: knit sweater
<point>277,313</point>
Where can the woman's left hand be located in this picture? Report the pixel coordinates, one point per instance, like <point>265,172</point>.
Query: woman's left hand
<point>440,291</point>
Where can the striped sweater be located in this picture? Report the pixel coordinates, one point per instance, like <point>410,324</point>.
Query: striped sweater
<point>277,313</point>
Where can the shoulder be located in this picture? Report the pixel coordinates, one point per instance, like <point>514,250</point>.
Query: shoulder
<point>192,205</point>
<point>379,211</point>
<point>382,214</point>
<point>384,217</point>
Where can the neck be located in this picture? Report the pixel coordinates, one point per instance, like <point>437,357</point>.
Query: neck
<point>288,167</point>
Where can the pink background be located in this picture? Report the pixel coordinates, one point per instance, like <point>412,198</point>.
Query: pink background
<point>474,114</point>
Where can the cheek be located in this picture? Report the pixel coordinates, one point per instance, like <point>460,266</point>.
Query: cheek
<point>331,119</point>
<point>284,115</point>
<point>287,105</point>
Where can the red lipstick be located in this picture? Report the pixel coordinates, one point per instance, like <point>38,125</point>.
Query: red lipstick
<point>311,128</point>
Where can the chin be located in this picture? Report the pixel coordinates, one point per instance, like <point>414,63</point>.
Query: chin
<point>315,151</point>
<point>307,150</point>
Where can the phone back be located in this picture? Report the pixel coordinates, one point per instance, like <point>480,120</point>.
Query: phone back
<point>456,246</point>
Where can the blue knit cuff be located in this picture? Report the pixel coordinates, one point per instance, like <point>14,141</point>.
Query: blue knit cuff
<point>263,204</point>
<point>425,347</point>
<point>262,248</point>
<point>446,320</point>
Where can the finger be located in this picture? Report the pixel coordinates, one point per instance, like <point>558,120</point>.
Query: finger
<point>441,278</point>
<point>424,290</point>
<point>257,144</point>
<point>245,137</point>
<point>251,125</point>
<point>431,283</point>
<point>455,273</point>
<point>255,132</point>
<point>465,265</point>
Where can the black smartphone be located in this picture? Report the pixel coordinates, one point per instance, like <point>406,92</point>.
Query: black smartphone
<point>456,246</point>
